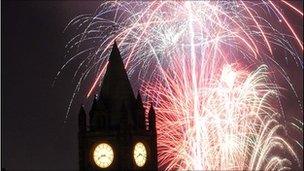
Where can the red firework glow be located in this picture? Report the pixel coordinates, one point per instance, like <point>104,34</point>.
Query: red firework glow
<point>205,65</point>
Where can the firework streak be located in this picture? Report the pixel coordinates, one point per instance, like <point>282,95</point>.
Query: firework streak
<point>205,65</point>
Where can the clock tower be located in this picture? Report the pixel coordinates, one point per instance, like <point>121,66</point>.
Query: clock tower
<point>118,136</point>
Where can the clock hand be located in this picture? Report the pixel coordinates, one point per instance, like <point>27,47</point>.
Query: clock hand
<point>101,156</point>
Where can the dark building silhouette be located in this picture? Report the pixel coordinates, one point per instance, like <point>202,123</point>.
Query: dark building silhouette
<point>117,137</point>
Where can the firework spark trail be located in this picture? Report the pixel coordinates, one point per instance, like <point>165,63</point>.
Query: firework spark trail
<point>238,126</point>
<point>194,59</point>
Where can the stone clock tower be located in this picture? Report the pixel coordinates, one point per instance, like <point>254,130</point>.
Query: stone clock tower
<point>118,136</point>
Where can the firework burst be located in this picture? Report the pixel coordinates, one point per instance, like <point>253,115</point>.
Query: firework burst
<point>205,65</point>
<point>233,127</point>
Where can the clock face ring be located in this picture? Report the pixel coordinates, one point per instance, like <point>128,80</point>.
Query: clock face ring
<point>103,155</point>
<point>140,154</point>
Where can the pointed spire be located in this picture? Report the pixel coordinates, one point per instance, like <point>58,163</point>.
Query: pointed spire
<point>94,105</point>
<point>81,136</point>
<point>152,120</point>
<point>153,135</point>
<point>82,119</point>
<point>140,117</point>
<point>94,120</point>
<point>116,88</point>
<point>115,56</point>
<point>116,84</point>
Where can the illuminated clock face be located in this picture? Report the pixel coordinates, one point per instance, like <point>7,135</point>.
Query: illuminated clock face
<point>140,154</point>
<point>103,155</point>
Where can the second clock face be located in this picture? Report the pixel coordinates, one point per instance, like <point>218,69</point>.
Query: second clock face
<point>140,154</point>
<point>103,155</point>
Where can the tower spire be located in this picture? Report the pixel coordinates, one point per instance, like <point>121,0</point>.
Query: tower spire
<point>82,120</point>
<point>140,117</point>
<point>81,134</point>
<point>153,134</point>
<point>152,124</point>
<point>116,89</point>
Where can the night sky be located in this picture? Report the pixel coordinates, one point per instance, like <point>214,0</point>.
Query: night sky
<point>34,134</point>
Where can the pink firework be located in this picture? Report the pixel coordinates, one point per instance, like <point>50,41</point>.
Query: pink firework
<point>210,67</point>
